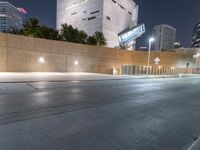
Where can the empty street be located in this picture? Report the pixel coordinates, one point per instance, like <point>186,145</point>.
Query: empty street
<point>111,113</point>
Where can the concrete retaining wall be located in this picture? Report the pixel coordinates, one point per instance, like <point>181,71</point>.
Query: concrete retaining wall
<point>21,54</point>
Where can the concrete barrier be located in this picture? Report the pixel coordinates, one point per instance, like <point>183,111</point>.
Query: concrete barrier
<point>23,54</point>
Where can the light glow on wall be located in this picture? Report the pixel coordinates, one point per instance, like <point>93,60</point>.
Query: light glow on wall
<point>41,60</point>
<point>76,63</point>
<point>172,68</point>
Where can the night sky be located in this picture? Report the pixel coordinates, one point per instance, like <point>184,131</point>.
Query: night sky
<point>181,14</point>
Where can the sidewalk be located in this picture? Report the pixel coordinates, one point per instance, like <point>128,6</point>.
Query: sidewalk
<point>164,76</point>
<point>53,77</point>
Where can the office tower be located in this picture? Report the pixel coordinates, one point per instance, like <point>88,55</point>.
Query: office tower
<point>165,37</point>
<point>196,36</point>
<point>10,16</point>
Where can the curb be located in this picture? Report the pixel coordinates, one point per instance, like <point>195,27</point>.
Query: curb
<point>195,145</point>
<point>80,80</point>
<point>120,78</point>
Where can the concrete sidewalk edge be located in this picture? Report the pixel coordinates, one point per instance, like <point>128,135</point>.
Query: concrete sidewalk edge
<point>70,77</point>
<point>195,145</point>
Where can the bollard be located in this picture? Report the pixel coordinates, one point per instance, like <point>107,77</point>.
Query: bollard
<point>180,76</point>
<point>114,71</point>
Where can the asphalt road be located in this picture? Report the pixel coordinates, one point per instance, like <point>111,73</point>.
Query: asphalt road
<point>120,114</point>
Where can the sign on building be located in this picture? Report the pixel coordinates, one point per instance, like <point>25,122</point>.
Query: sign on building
<point>131,34</point>
<point>157,61</point>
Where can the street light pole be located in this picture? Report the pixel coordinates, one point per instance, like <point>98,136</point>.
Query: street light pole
<point>149,54</point>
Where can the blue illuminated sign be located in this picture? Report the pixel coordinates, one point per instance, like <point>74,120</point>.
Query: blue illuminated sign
<point>131,34</point>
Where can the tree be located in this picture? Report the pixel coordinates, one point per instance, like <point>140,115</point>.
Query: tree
<point>82,37</point>
<point>49,33</point>
<point>70,34</point>
<point>91,40</point>
<point>97,39</point>
<point>14,30</point>
<point>100,39</point>
<point>67,33</point>
<point>32,28</point>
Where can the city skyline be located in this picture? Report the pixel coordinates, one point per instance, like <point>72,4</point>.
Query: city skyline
<point>181,15</point>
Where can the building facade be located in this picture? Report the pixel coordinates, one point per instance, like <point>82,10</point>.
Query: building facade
<point>107,16</point>
<point>165,37</point>
<point>10,16</point>
<point>196,36</point>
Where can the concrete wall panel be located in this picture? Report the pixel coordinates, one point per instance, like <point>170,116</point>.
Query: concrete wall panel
<point>21,54</point>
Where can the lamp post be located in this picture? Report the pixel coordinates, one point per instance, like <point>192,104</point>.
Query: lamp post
<point>149,53</point>
<point>197,56</point>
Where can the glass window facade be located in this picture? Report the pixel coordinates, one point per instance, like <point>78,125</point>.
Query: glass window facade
<point>9,17</point>
<point>196,36</point>
<point>165,37</point>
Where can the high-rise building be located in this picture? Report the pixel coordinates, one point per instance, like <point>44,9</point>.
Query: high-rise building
<point>10,16</point>
<point>165,37</point>
<point>107,16</point>
<point>196,36</point>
